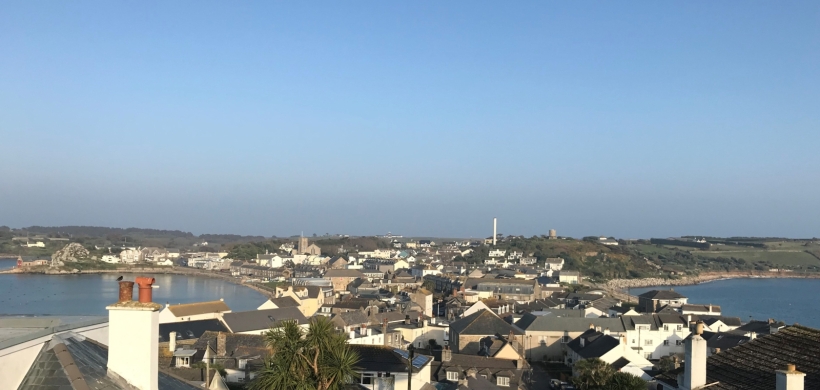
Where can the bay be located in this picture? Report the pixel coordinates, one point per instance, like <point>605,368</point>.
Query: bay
<point>90,294</point>
<point>787,300</point>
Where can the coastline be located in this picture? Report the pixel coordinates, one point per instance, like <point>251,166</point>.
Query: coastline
<point>619,288</point>
<point>147,271</point>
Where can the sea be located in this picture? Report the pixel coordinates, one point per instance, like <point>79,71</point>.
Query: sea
<point>788,300</point>
<point>33,294</point>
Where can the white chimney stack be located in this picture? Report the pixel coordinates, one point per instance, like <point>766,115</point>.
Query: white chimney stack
<point>133,336</point>
<point>695,371</point>
<point>790,378</point>
<point>172,342</point>
<point>495,232</point>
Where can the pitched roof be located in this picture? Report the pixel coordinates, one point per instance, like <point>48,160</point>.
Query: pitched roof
<point>573,324</point>
<point>483,322</point>
<point>343,273</point>
<point>350,318</point>
<point>386,359</point>
<point>192,309</point>
<point>483,365</point>
<point>595,344</point>
<point>752,365</point>
<point>709,320</point>
<point>661,294</point>
<point>245,321</point>
<point>71,361</point>
<point>724,341</point>
<point>284,302</point>
<point>189,330</point>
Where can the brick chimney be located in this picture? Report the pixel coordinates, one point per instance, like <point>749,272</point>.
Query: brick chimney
<point>221,340</point>
<point>384,332</point>
<point>790,378</point>
<point>133,336</point>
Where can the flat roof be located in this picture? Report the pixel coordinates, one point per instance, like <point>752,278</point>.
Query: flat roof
<point>17,329</point>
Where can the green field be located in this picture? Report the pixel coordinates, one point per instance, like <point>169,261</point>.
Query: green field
<point>778,257</point>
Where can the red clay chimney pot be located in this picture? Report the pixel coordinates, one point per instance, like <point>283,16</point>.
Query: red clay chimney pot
<point>145,294</point>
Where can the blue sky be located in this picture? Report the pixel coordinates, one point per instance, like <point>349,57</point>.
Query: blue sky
<point>627,119</point>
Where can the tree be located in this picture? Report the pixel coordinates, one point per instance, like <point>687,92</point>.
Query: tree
<point>625,381</point>
<point>316,359</point>
<point>666,364</point>
<point>592,374</point>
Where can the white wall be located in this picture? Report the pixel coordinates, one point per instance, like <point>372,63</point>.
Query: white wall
<point>133,335</point>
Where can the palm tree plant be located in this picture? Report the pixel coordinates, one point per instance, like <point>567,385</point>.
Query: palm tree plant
<point>625,381</point>
<point>592,374</point>
<point>316,359</point>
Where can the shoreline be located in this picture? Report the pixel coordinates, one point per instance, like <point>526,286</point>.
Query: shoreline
<point>619,288</point>
<point>147,271</point>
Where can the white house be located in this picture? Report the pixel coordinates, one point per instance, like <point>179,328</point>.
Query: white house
<point>497,252</point>
<point>569,277</point>
<point>612,349</point>
<point>113,259</point>
<point>193,311</point>
<point>383,367</point>
<point>554,263</point>
<point>130,256</point>
<point>657,335</point>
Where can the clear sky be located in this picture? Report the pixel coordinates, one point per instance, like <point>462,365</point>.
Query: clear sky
<point>626,119</point>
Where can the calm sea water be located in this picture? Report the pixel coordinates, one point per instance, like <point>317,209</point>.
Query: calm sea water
<point>788,300</point>
<point>89,294</point>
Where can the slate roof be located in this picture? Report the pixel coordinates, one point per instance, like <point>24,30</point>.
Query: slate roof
<point>661,294</point>
<point>709,320</point>
<point>188,330</point>
<point>383,359</point>
<point>245,321</point>
<point>752,365</point>
<point>724,341</point>
<point>570,324</point>
<point>351,318</point>
<point>492,367</point>
<point>284,302</point>
<point>759,327</point>
<point>192,309</point>
<point>71,361</point>
<point>596,344</point>
<point>343,273</point>
<point>655,321</point>
<point>247,346</point>
<point>483,323</point>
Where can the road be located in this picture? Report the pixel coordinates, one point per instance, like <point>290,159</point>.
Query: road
<point>540,379</point>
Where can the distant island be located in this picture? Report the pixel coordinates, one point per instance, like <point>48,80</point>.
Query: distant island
<point>598,259</point>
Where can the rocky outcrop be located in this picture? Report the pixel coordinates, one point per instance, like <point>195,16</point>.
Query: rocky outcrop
<point>69,254</point>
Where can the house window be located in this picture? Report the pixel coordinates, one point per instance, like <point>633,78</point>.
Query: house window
<point>367,378</point>
<point>633,341</point>
<point>666,328</point>
<point>452,376</point>
<point>647,355</point>
<point>665,342</point>
<point>502,381</point>
<point>680,327</point>
<point>678,342</point>
<point>647,342</point>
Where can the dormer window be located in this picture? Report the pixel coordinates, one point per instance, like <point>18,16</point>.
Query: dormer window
<point>452,376</point>
<point>502,381</point>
